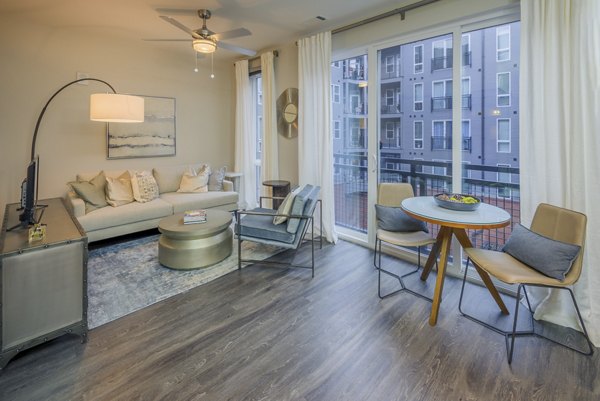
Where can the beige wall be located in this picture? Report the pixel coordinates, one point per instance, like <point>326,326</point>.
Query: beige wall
<point>37,60</point>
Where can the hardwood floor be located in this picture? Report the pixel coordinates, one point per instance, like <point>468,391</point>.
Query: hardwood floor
<point>269,333</point>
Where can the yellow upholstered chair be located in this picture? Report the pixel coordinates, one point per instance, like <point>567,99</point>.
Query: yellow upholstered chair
<point>552,222</point>
<point>392,195</point>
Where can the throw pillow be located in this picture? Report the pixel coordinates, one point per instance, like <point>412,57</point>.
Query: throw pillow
<point>144,186</point>
<point>550,257</point>
<point>193,183</point>
<point>215,182</point>
<point>118,190</point>
<point>396,220</point>
<point>285,207</point>
<point>92,192</point>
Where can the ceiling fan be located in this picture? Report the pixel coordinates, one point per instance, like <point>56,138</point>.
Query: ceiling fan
<point>203,39</point>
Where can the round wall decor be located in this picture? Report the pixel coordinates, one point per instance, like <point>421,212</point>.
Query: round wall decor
<point>287,113</point>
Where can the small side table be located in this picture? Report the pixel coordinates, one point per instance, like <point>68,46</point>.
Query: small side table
<point>235,178</point>
<point>280,189</point>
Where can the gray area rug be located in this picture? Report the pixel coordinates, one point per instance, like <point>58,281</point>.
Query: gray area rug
<point>127,277</point>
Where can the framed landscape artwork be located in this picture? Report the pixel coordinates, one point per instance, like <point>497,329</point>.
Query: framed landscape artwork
<point>154,137</point>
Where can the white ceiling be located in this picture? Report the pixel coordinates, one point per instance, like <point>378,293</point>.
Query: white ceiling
<point>272,22</point>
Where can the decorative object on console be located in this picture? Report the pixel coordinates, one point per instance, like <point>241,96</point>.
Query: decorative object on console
<point>154,137</point>
<point>107,107</point>
<point>144,186</point>
<point>287,113</point>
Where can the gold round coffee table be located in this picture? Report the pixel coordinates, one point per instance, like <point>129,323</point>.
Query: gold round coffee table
<point>194,246</point>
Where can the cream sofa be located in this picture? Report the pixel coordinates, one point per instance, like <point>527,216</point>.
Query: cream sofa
<point>111,221</point>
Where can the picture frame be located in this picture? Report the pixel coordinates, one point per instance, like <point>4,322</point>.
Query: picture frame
<point>155,137</point>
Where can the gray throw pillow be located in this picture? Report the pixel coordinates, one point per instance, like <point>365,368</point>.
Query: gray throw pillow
<point>550,257</point>
<point>395,219</point>
<point>215,182</point>
<point>92,192</point>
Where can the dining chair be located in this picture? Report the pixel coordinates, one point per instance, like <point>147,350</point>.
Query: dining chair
<point>392,195</point>
<point>561,225</point>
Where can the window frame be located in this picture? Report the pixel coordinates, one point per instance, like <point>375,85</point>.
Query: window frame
<point>415,101</point>
<point>501,50</point>
<point>338,129</point>
<point>506,95</point>
<point>335,93</point>
<point>415,63</point>
<point>415,139</point>
<point>503,141</point>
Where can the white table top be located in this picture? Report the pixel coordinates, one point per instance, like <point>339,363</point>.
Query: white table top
<point>484,215</point>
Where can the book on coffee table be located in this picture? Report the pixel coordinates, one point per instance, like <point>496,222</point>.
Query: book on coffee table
<point>194,216</point>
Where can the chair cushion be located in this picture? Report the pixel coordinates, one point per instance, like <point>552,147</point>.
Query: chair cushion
<point>549,257</point>
<point>413,238</point>
<point>262,227</point>
<point>396,220</point>
<point>298,205</point>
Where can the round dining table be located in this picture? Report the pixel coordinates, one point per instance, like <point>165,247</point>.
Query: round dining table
<point>453,222</point>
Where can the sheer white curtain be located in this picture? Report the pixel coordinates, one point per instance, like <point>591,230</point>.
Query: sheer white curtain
<point>560,136</point>
<point>315,143</point>
<point>270,155</point>
<point>245,135</point>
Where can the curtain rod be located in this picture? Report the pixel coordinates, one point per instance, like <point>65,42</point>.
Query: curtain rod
<point>275,53</point>
<point>401,11</point>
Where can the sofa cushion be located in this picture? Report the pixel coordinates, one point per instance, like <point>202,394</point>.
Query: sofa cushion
<point>126,214</point>
<point>118,190</point>
<point>215,182</point>
<point>183,201</point>
<point>144,186</point>
<point>91,191</point>
<point>263,227</point>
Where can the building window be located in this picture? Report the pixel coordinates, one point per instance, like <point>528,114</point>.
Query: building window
<point>335,93</point>
<point>418,134</point>
<point>418,53</point>
<point>503,177</point>
<point>503,89</point>
<point>389,64</point>
<point>336,64</point>
<point>442,54</point>
<point>466,135</point>
<point>466,50</point>
<point>503,139</point>
<point>389,130</point>
<point>389,166</point>
<point>418,97</point>
<point>419,166</point>
<point>441,98</point>
<point>503,43</point>
<point>441,138</point>
<point>337,131</point>
<point>389,97</point>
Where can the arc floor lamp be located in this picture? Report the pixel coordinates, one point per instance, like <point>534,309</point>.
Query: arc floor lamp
<point>104,107</point>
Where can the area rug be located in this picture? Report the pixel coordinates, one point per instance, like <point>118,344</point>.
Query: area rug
<point>126,277</point>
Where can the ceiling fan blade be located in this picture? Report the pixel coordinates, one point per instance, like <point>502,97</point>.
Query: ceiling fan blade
<point>234,33</point>
<point>176,11</point>
<point>236,49</point>
<point>179,25</point>
<point>166,40</point>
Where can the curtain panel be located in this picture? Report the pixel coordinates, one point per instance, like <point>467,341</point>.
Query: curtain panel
<point>245,135</point>
<point>270,154</point>
<point>560,137</point>
<point>315,142</point>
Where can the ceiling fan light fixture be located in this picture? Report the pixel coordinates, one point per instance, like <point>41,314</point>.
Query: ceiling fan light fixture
<point>204,45</point>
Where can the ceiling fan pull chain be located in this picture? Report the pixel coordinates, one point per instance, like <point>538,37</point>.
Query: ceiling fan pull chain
<point>212,68</point>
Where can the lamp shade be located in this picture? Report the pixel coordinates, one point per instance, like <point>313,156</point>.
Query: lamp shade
<point>204,45</point>
<point>115,108</point>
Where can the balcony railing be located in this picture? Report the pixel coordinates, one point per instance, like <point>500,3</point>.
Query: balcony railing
<point>390,109</point>
<point>351,200</point>
<point>355,75</point>
<point>445,143</point>
<point>440,63</point>
<point>360,109</point>
<point>391,75</point>
<point>445,103</point>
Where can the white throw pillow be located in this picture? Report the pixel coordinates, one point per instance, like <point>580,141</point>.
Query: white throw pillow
<point>285,207</point>
<point>194,183</point>
<point>144,186</point>
<point>118,190</point>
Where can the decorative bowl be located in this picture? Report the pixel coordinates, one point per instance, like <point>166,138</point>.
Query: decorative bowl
<point>457,202</point>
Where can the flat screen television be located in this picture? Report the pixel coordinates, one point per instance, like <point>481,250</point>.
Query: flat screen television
<point>29,194</point>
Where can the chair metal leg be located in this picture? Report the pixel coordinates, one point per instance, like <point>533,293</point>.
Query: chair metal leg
<point>510,336</point>
<point>312,246</point>
<point>403,287</point>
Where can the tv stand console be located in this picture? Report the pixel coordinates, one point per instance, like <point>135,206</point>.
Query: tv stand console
<point>43,284</point>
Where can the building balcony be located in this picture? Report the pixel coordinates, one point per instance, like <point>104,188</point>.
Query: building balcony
<point>391,75</point>
<point>440,63</point>
<point>445,143</point>
<point>445,103</point>
<point>390,109</point>
<point>356,110</point>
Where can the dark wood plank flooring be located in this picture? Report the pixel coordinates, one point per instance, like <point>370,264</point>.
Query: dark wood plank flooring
<point>269,333</point>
